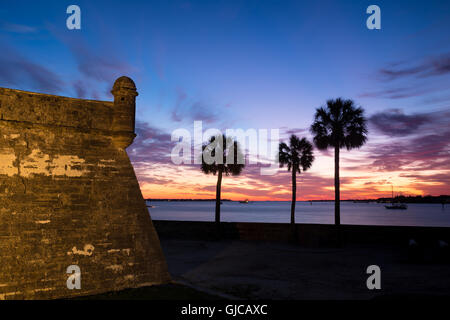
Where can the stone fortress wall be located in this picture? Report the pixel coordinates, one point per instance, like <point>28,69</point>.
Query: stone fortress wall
<point>69,196</point>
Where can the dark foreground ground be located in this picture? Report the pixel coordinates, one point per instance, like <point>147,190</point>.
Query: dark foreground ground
<point>210,270</point>
<point>270,270</point>
<point>172,291</point>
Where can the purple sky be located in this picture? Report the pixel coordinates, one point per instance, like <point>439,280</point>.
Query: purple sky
<point>252,64</point>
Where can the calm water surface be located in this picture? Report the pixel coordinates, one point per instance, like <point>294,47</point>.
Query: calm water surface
<point>318,212</point>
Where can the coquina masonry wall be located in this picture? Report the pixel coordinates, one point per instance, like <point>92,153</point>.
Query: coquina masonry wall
<point>69,196</point>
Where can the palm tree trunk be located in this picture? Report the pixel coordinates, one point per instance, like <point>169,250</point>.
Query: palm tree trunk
<point>337,195</point>
<point>218,188</point>
<point>294,196</point>
<point>294,200</point>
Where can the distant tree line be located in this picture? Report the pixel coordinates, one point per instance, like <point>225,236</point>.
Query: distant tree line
<point>418,199</point>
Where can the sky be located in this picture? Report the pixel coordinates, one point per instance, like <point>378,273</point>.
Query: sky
<point>252,64</point>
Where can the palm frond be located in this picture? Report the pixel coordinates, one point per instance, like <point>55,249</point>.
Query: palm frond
<point>297,156</point>
<point>230,158</point>
<point>340,123</point>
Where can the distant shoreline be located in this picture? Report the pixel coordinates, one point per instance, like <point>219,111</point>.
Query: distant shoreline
<point>442,199</point>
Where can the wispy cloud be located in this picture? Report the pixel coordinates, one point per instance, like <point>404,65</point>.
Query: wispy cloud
<point>80,89</point>
<point>17,70</point>
<point>98,64</point>
<point>395,122</point>
<point>98,67</point>
<point>418,151</point>
<point>402,92</point>
<point>190,109</point>
<point>17,28</point>
<point>152,145</point>
<point>423,141</point>
<point>408,79</point>
<point>432,66</point>
<point>297,131</point>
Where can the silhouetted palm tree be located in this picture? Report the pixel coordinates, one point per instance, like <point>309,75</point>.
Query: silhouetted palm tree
<point>339,124</point>
<point>297,156</point>
<point>229,161</point>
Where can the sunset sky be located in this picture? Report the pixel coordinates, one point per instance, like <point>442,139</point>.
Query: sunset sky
<point>252,64</point>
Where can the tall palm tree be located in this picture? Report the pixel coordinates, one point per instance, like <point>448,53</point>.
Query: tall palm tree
<point>339,124</point>
<point>297,156</point>
<point>229,161</point>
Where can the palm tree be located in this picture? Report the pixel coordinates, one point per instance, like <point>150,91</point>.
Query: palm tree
<point>229,161</point>
<point>297,156</point>
<point>339,124</point>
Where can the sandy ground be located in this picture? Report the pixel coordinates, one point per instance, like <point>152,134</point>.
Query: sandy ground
<point>259,270</point>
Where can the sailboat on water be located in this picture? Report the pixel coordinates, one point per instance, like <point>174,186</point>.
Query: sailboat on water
<point>396,206</point>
